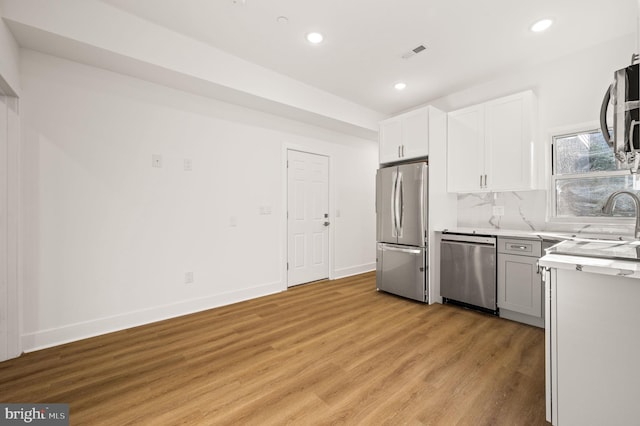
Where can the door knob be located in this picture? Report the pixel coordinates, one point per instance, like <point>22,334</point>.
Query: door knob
<point>327,223</point>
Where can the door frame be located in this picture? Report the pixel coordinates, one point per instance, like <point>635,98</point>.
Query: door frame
<point>286,147</point>
<point>11,231</point>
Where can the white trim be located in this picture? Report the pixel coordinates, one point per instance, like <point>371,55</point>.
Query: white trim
<point>73,332</point>
<point>573,128</point>
<point>286,147</point>
<point>15,228</point>
<point>548,166</point>
<point>10,234</point>
<point>4,230</point>
<point>558,132</point>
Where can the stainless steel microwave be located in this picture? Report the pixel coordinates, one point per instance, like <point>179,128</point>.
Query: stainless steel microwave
<point>623,96</point>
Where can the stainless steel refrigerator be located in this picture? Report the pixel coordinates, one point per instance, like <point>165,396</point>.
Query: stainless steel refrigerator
<point>402,229</point>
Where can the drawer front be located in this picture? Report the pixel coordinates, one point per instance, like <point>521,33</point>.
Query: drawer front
<point>521,247</point>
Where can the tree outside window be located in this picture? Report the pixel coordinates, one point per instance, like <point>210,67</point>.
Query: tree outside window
<point>585,174</point>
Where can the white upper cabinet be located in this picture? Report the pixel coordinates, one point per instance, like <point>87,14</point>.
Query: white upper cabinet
<point>390,140</point>
<point>405,136</point>
<point>465,149</point>
<point>491,146</point>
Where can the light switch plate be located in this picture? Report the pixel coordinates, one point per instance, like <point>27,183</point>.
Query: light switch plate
<point>265,210</point>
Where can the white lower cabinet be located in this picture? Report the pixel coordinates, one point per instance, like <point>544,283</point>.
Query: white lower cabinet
<point>592,348</point>
<point>520,288</point>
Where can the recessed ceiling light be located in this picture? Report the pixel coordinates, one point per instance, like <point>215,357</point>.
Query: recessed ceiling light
<point>400,86</point>
<point>315,38</point>
<point>541,25</point>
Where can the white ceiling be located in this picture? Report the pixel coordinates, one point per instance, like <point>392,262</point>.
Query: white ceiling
<point>467,41</point>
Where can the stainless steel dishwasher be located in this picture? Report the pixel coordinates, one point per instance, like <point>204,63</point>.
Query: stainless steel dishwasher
<point>468,270</point>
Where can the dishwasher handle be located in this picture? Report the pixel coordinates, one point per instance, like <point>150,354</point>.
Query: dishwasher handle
<point>466,243</point>
<point>469,239</point>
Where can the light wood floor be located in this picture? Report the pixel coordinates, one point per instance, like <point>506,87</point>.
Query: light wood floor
<point>334,352</point>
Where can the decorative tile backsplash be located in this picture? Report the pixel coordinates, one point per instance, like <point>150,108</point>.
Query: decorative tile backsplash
<point>525,210</point>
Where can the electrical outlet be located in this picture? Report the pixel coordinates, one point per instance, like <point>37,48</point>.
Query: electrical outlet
<point>498,210</point>
<point>188,278</point>
<point>188,165</point>
<point>156,161</point>
<point>233,221</point>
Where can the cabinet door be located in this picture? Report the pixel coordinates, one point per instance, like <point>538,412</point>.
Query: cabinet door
<point>465,150</point>
<point>594,348</point>
<point>509,142</point>
<point>390,140</point>
<point>519,284</point>
<point>415,134</point>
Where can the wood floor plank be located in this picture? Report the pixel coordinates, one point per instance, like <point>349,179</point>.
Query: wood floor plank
<point>332,352</point>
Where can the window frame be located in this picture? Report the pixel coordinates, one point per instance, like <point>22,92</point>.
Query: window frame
<point>552,216</point>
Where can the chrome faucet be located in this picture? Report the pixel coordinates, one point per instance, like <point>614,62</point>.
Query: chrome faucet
<point>611,202</point>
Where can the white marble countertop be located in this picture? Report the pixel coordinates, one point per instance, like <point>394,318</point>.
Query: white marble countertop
<point>592,264</point>
<point>596,253</point>
<point>606,249</point>
<point>513,233</point>
<point>546,234</point>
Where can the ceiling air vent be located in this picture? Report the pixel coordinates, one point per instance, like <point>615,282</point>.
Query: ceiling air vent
<point>413,52</point>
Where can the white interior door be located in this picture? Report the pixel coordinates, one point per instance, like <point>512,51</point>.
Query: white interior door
<point>308,217</point>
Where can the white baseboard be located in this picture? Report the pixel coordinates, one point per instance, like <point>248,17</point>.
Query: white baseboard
<point>354,270</point>
<point>73,332</point>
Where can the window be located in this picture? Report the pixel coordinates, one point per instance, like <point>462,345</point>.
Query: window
<point>584,174</point>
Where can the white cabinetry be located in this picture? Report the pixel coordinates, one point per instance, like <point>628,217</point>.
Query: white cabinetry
<point>390,140</point>
<point>491,146</point>
<point>592,347</point>
<point>465,150</point>
<point>405,136</point>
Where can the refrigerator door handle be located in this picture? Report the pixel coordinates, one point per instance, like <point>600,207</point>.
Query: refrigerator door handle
<point>401,206</point>
<point>394,204</point>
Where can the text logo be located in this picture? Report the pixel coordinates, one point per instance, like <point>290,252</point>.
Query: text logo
<point>34,414</point>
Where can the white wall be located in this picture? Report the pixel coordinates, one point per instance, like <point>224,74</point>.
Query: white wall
<point>9,73</point>
<point>108,238</point>
<point>110,38</point>
<point>570,91</point>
